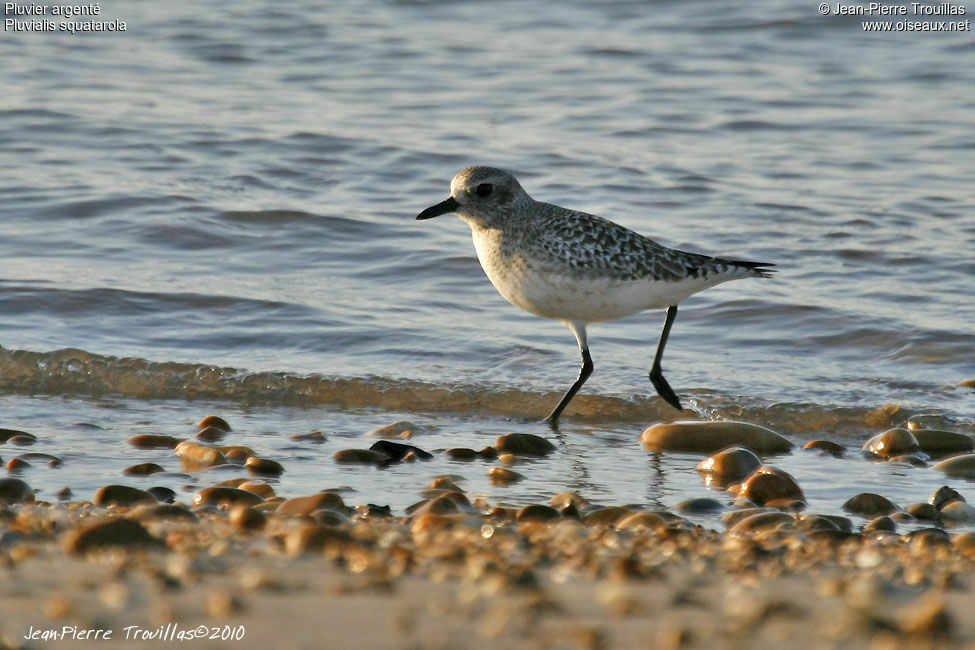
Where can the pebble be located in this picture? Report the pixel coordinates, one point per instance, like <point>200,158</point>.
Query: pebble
<point>143,469</point>
<point>307,505</point>
<point>259,488</point>
<point>564,499</point>
<point>115,532</point>
<point>962,466</point>
<point>361,457</point>
<point>50,460</point>
<point>943,495</point>
<point>882,522</point>
<point>150,441</point>
<point>244,517</point>
<point>6,435</point>
<point>826,446</point>
<point>523,444</point>
<point>933,441</point>
<point>17,465</point>
<point>397,451</point>
<point>225,497</point>
<point>928,616</point>
<point>313,436</point>
<point>503,475</point>
<point>731,464</point>
<point>913,460</point>
<point>867,503</point>
<point>537,512</point>
<point>713,436</point>
<point>958,512</point>
<point>445,483</point>
<point>211,434</point>
<point>401,429</point>
<point>163,511</point>
<point>195,455</point>
<point>769,483</point>
<point>700,505</point>
<point>14,490</point>
<point>764,520</point>
<point>638,520</point>
<point>236,453</point>
<point>263,466</point>
<point>162,494</point>
<point>314,538</point>
<point>213,421</point>
<point>462,453</point>
<point>893,442</point>
<point>923,511</point>
<point>606,516</point>
<point>121,496</point>
<point>63,494</point>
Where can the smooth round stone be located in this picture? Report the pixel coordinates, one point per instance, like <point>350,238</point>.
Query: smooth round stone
<point>881,523</point>
<point>195,454</point>
<point>713,436</point>
<point>923,511</point>
<point>928,618</point>
<point>143,469</point>
<point>7,435</point>
<point>763,521</point>
<point>908,459</point>
<point>13,490</point>
<point>606,516</point>
<point>164,511</point>
<point>150,441</point>
<point>312,436</point>
<point>925,539</point>
<point>958,512</point>
<point>224,497</point>
<point>867,503</point>
<point>63,494</point>
<point>826,446</point>
<point>448,503</point>
<point>400,429</point>
<point>398,451</point>
<point>933,441</point>
<point>812,523</point>
<point>211,434</point>
<point>444,483</point>
<point>263,466</point>
<point>731,518</point>
<point>700,505</point>
<point>315,538</point>
<point>964,541</point>
<point>22,441</point>
<point>244,517</point>
<point>769,484</point>
<point>893,442</point>
<point>35,457</point>
<point>259,488</point>
<point>213,421</point>
<point>730,464</point>
<point>564,499</point>
<point>962,466</point>
<point>307,505</point>
<point>360,457</point>
<point>488,453</point>
<point>537,512</point>
<point>236,453</point>
<point>462,453</point>
<point>162,494</point>
<point>120,532</point>
<point>503,475</point>
<point>943,495</point>
<point>523,444</point>
<point>121,496</point>
<point>640,520</point>
<point>16,465</point>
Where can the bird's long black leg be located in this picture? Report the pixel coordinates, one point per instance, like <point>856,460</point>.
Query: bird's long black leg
<point>579,330</point>
<point>656,374</point>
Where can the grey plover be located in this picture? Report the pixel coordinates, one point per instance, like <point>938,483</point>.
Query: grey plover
<point>578,268</point>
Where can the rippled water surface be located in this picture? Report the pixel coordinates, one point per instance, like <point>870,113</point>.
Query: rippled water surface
<point>217,204</point>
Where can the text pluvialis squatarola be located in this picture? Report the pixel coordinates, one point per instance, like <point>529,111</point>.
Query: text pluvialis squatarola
<point>576,267</point>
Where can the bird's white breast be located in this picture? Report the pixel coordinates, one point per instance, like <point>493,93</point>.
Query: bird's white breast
<point>566,295</point>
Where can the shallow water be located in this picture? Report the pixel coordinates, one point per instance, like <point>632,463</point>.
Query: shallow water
<point>218,205</point>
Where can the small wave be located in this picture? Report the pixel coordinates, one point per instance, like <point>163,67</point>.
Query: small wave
<point>77,372</point>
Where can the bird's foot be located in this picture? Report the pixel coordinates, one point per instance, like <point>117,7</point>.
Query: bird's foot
<point>664,389</point>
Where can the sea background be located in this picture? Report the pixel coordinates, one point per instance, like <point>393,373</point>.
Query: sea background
<point>213,212</point>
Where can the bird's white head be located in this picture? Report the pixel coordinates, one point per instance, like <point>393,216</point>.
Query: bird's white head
<point>484,197</point>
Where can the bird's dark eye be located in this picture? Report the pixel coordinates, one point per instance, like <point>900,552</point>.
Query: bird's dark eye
<point>484,189</point>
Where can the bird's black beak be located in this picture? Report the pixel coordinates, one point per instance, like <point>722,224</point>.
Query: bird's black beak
<point>444,207</point>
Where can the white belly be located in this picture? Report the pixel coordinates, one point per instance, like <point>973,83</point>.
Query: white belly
<point>581,297</point>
